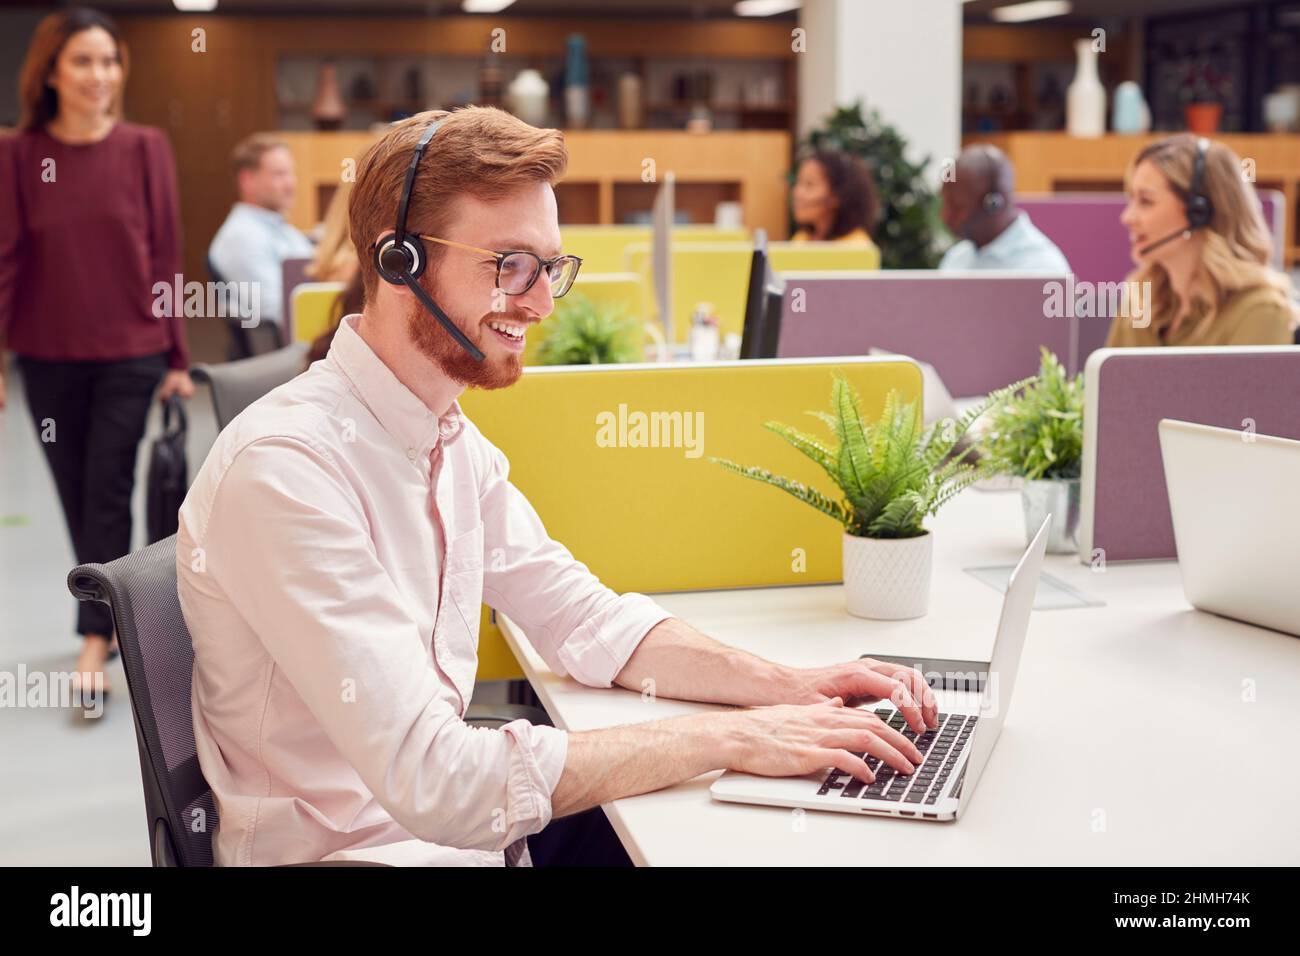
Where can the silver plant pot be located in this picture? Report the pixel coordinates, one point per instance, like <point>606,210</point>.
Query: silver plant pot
<point>1058,497</point>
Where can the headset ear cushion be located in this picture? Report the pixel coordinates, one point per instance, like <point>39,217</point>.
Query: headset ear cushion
<point>1199,211</point>
<point>393,261</point>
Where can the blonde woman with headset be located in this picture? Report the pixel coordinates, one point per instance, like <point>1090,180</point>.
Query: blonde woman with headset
<point>1199,240</point>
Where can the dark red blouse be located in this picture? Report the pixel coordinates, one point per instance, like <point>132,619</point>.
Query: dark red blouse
<point>83,239</point>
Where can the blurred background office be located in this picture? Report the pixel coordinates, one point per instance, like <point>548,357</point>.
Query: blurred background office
<point>827,134</point>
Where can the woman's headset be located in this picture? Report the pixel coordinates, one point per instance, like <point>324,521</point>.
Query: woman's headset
<point>1197,205</point>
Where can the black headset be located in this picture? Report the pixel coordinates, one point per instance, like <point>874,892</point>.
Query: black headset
<point>1200,211</point>
<point>1197,205</point>
<point>994,199</point>
<point>400,259</point>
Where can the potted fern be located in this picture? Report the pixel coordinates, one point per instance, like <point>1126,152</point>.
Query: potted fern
<point>891,474</point>
<point>582,333</point>
<point>1038,436</point>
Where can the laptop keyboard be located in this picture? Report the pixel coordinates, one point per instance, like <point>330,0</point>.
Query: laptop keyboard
<point>940,747</point>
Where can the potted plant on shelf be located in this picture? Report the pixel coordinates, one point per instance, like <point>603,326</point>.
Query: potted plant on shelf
<point>582,333</point>
<point>892,473</point>
<point>1038,436</point>
<point>1203,91</point>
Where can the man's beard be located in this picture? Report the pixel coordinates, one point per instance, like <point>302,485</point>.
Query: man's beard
<point>437,345</point>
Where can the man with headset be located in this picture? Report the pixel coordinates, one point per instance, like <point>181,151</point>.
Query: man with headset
<point>338,541</point>
<point>979,209</point>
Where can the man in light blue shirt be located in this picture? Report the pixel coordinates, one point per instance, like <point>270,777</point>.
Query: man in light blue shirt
<point>255,238</point>
<point>992,233</point>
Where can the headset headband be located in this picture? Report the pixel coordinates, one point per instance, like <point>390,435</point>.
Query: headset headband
<point>405,201</point>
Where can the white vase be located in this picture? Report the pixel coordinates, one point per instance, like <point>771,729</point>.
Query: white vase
<point>1085,100</point>
<point>528,96</point>
<point>887,579</point>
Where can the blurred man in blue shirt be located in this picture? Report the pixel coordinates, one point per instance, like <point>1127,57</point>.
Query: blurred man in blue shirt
<point>255,238</point>
<point>979,209</point>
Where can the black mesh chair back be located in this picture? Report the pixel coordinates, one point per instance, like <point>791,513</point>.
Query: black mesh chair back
<point>158,658</point>
<point>236,385</point>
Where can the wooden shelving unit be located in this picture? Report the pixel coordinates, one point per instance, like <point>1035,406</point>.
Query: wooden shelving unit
<point>603,184</point>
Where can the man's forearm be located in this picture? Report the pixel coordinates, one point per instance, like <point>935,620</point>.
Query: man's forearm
<point>605,765</point>
<point>675,660</point>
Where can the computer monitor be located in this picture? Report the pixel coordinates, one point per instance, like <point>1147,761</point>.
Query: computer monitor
<point>763,304</point>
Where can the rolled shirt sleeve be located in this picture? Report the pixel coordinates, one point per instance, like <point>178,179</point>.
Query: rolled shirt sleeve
<point>579,626</point>
<point>287,542</point>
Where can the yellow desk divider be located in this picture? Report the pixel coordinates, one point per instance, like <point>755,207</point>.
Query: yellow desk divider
<point>611,288</point>
<point>604,248</point>
<point>617,289</point>
<point>310,308</point>
<point>713,272</point>
<point>615,460</point>
<point>822,257</point>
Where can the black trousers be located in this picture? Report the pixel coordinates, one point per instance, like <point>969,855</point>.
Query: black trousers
<point>583,839</point>
<point>90,417</point>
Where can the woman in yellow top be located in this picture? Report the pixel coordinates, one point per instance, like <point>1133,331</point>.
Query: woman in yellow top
<point>1202,250</point>
<point>834,199</point>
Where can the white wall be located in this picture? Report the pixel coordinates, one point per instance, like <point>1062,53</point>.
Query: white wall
<point>902,57</point>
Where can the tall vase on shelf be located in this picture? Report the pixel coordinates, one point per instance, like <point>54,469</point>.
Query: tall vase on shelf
<point>1085,101</point>
<point>577,91</point>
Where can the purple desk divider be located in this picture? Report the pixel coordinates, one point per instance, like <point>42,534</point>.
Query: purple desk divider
<point>293,273</point>
<point>1124,508</point>
<point>980,331</point>
<point>1086,228</point>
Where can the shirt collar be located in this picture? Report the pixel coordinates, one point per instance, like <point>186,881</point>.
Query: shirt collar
<point>260,212</point>
<point>1006,241</point>
<point>398,410</point>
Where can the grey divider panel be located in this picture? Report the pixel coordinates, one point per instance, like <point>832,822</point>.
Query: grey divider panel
<point>1134,389</point>
<point>979,331</point>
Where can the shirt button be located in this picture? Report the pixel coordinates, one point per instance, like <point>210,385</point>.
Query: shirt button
<point>410,454</point>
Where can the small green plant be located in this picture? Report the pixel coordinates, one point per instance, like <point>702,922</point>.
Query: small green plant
<point>1039,433</point>
<point>583,333</point>
<point>892,472</point>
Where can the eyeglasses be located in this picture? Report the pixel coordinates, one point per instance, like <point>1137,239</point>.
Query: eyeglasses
<point>517,271</point>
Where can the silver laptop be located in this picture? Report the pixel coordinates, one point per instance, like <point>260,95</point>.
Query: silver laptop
<point>955,752</point>
<point>1234,500</point>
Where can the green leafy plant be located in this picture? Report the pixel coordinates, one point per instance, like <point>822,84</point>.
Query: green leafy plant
<point>892,473</point>
<point>580,332</point>
<point>909,208</point>
<point>1039,433</point>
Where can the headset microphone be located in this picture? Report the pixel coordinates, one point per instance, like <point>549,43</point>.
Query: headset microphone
<point>401,258</point>
<point>1200,211</point>
<point>1180,234</point>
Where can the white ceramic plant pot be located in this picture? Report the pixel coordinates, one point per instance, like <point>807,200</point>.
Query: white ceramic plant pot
<point>887,579</point>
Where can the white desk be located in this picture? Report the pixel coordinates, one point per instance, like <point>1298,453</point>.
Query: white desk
<point>1128,722</point>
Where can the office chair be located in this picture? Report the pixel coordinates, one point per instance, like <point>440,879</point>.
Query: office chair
<point>236,385</point>
<point>158,658</point>
<point>243,343</point>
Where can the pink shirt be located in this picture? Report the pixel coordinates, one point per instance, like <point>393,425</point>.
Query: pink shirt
<point>333,554</point>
